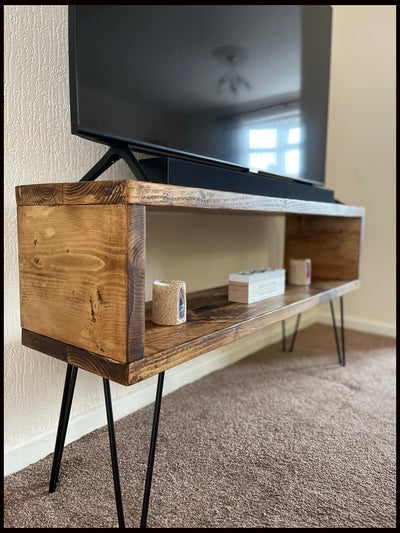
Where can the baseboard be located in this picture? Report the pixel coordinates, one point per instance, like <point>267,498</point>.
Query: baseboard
<point>21,455</point>
<point>360,324</point>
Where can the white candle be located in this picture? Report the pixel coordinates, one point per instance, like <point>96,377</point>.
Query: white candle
<point>300,271</point>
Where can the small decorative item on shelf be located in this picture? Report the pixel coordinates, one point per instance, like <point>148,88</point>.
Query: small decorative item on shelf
<point>254,285</point>
<point>300,271</point>
<point>169,302</point>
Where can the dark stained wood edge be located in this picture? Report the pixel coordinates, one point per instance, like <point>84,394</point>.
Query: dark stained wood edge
<point>77,193</point>
<point>154,364</point>
<point>44,344</point>
<point>102,366</point>
<point>136,267</point>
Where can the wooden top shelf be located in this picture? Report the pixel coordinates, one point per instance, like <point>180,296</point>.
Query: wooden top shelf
<point>157,195</point>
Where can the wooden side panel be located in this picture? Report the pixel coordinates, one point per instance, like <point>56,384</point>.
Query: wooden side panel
<point>136,256</point>
<point>332,243</point>
<point>73,275</point>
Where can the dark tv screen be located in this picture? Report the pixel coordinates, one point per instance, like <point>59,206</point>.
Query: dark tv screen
<point>242,86</point>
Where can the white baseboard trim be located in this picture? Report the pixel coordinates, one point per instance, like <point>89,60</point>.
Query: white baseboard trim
<point>360,324</point>
<point>22,454</point>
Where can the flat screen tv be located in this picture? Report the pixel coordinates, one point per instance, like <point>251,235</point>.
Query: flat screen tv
<point>243,87</point>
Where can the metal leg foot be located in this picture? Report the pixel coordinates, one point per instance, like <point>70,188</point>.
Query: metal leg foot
<point>68,394</point>
<point>153,442</point>
<point>113,449</point>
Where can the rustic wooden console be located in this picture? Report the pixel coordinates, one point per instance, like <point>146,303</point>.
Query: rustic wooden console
<point>82,264</point>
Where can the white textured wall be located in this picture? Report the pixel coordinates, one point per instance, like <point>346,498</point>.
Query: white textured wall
<point>39,148</point>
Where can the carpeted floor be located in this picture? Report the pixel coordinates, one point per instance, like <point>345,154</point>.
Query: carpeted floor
<point>276,440</point>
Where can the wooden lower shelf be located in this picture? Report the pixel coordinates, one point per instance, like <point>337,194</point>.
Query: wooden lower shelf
<point>211,315</point>
<point>212,321</point>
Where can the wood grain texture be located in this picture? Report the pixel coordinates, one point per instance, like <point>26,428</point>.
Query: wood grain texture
<point>79,193</point>
<point>46,194</point>
<point>332,243</point>
<point>155,194</point>
<point>96,364</point>
<point>136,256</point>
<point>73,275</point>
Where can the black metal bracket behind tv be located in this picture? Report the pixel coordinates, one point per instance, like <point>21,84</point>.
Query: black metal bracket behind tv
<point>114,154</point>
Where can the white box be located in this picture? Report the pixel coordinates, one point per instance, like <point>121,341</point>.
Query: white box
<point>255,285</point>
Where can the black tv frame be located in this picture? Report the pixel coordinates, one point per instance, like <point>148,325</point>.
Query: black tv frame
<point>121,148</point>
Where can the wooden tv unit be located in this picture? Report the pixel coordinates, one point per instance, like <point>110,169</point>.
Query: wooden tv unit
<point>82,262</point>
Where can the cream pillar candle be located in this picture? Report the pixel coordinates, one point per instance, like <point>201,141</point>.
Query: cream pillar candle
<point>169,302</point>
<point>299,271</point>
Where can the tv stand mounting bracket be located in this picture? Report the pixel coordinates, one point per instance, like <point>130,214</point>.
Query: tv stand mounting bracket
<point>114,154</point>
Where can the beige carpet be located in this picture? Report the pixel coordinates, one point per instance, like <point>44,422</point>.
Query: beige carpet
<point>276,440</point>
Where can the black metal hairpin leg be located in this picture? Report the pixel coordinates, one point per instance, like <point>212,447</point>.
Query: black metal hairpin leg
<point>69,387</point>
<point>340,350</point>
<point>342,324</point>
<point>113,449</point>
<point>294,334</point>
<point>68,394</point>
<point>152,450</point>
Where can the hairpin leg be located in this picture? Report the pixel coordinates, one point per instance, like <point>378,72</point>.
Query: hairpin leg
<point>283,337</point>
<point>340,350</point>
<point>295,332</point>
<point>342,321</point>
<point>113,449</point>
<point>152,450</point>
<point>69,387</point>
<point>68,394</point>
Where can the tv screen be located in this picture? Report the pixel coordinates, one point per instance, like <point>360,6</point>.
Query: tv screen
<point>245,87</point>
